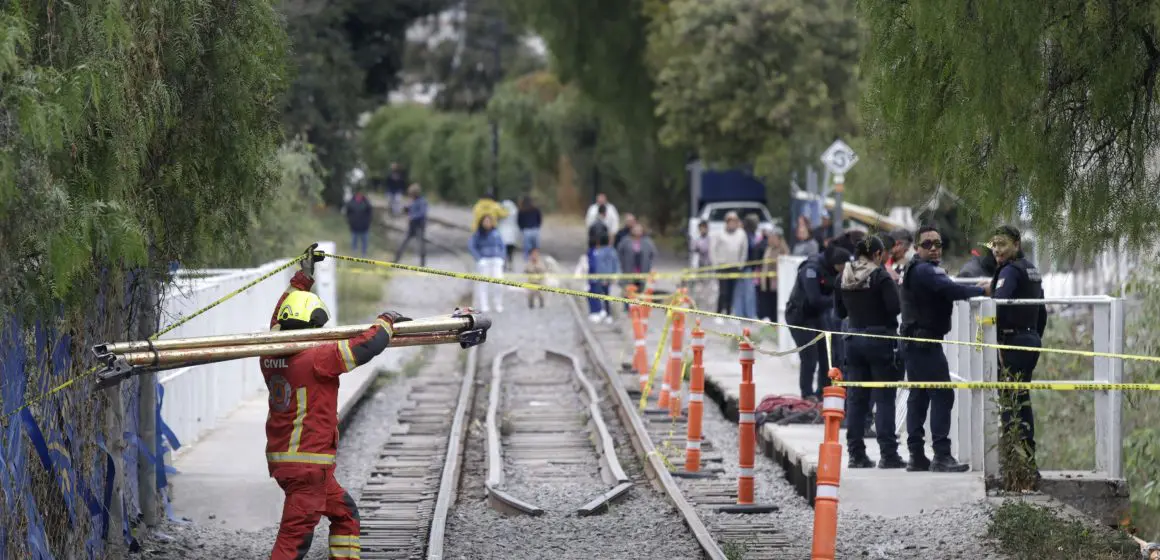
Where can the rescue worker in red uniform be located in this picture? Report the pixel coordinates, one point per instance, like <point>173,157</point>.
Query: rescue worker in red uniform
<point>302,425</point>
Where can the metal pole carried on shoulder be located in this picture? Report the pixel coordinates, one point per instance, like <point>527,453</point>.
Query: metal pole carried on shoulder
<point>121,360</point>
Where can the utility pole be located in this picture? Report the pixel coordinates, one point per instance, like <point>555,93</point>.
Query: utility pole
<point>146,315</point>
<point>494,123</point>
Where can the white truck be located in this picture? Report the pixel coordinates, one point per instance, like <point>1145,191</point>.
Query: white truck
<point>713,194</point>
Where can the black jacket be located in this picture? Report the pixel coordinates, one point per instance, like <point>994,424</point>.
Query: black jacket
<point>529,219</point>
<point>813,292</point>
<point>868,296</point>
<point>358,213</point>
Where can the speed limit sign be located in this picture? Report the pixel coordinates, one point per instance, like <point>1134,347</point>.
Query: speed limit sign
<point>839,158</point>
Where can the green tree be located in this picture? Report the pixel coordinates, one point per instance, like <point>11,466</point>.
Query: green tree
<point>601,47</point>
<point>1005,100</point>
<point>131,136</point>
<point>276,226</point>
<point>350,53</point>
<point>743,78</point>
<point>448,153</point>
<point>462,66</point>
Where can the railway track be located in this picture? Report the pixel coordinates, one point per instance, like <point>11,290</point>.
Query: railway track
<point>661,440</point>
<point>405,501</point>
<point>545,425</point>
<point>547,443</point>
<point>414,482</point>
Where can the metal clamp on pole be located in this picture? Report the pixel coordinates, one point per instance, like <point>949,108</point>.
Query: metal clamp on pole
<point>125,359</point>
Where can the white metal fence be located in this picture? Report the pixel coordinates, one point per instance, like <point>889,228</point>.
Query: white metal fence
<point>198,397</point>
<point>975,423</point>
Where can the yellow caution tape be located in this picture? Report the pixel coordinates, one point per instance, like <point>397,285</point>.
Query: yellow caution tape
<point>223,299</point>
<point>656,360</point>
<point>610,276</point>
<point>69,382</point>
<point>703,313</point>
<point>1003,385</point>
<point>727,265</point>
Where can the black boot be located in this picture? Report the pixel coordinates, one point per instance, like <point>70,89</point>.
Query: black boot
<point>947,463</point>
<point>918,463</point>
<point>891,461</point>
<point>860,461</point>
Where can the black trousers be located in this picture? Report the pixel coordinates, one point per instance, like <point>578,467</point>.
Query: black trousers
<point>725,296</point>
<point>813,359</point>
<point>925,361</point>
<point>767,304</point>
<point>871,359</point>
<point>1020,364</point>
<point>415,229</point>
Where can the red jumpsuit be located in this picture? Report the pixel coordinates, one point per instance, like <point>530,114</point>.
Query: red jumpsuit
<point>302,437</point>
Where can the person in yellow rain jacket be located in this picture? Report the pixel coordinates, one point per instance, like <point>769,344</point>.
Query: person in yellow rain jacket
<point>487,206</point>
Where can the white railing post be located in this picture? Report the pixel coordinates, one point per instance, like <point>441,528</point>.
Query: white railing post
<point>1100,365</point>
<point>961,365</point>
<point>326,282</point>
<point>990,373</point>
<point>1115,459</point>
<point>978,400</point>
<point>951,352</point>
<point>1108,323</point>
<point>787,266</point>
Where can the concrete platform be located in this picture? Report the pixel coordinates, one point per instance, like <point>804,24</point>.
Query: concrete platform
<point>889,493</point>
<point>223,479</point>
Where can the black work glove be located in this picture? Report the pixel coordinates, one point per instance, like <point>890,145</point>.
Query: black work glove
<point>307,264</point>
<point>393,317</point>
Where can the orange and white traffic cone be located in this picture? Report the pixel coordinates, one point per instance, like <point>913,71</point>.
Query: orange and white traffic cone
<point>829,472</point>
<point>747,426</point>
<point>693,435</point>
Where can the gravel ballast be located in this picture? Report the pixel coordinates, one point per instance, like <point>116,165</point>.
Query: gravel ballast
<point>641,525</point>
<point>946,533</point>
<point>548,454</point>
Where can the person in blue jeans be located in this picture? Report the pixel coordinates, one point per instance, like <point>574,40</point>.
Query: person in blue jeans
<point>529,219</point>
<point>602,259</point>
<point>358,217</point>
<point>745,289</point>
<point>488,250</point>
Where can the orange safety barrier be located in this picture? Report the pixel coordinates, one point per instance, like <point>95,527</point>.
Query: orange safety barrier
<point>696,401</point>
<point>829,472</point>
<point>676,363</point>
<point>639,334</point>
<point>670,398</point>
<point>747,423</point>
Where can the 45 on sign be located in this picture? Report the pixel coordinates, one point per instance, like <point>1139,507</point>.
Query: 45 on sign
<point>839,158</point>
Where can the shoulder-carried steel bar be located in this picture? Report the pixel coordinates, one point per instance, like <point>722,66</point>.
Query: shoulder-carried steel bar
<point>458,321</point>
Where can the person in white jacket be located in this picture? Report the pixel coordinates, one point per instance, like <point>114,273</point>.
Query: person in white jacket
<point>509,230</point>
<point>611,219</point>
<point>728,247</point>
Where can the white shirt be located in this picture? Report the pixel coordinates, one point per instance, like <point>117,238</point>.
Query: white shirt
<point>611,217</point>
<point>508,227</point>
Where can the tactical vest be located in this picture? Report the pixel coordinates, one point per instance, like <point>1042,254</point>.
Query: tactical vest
<point>797,310</point>
<point>909,299</point>
<point>1030,287</point>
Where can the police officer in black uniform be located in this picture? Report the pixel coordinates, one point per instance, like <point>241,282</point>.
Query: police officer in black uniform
<point>809,306</point>
<point>927,297</point>
<point>1018,325</point>
<point>868,297</point>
